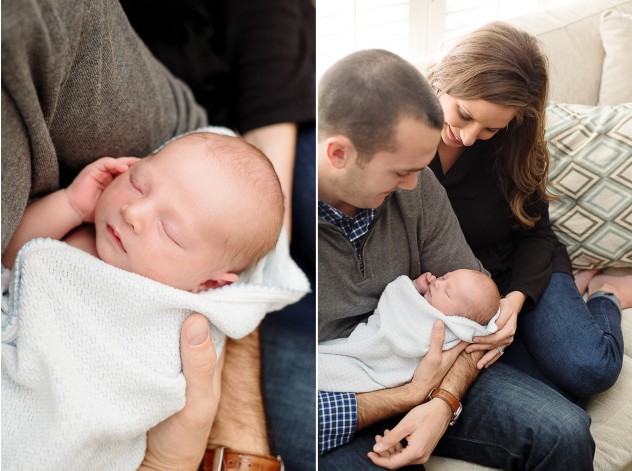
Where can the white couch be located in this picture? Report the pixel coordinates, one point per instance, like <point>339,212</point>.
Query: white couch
<point>581,73</point>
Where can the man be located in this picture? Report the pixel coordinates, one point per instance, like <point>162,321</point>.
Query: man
<point>382,214</point>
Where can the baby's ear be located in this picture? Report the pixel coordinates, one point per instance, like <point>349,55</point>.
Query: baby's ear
<point>217,281</point>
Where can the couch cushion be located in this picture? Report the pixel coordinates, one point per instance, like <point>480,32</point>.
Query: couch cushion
<point>591,170</point>
<point>571,39</point>
<point>616,37</point>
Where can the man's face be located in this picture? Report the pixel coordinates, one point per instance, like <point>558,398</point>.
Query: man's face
<point>366,185</point>
<point>168,216</point>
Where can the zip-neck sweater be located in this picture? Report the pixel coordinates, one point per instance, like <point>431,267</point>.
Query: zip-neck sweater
<point>413,232</point>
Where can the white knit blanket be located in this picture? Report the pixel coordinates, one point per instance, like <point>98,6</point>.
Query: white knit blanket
<point>90,353</point>
<point>384,351</point>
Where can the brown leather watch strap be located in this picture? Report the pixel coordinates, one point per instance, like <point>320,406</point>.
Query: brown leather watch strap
<point>450,399</point>
<point>225,459</point>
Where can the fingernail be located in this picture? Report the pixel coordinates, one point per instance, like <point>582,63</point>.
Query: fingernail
<point>378,447</point>
<point>198,332</point>
<point>438,325</point>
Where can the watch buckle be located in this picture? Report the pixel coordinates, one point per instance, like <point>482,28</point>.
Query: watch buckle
<point>218,458</point>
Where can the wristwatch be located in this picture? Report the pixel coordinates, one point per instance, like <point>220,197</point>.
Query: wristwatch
<point>225,459</point>
<point>450,399</point>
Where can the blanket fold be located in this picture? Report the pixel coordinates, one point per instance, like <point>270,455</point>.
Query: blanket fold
<point>384,351</point>
<point>91,357</point>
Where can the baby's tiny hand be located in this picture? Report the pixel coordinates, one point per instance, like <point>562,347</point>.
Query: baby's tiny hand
<point>86,189</point>
<point>422,282</point>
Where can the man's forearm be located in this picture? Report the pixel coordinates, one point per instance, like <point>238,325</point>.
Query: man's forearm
<point>379,405</point>
<point>240,421</point>
<point>50,216</point>
<point>462,374</point>
<point>382,404</point>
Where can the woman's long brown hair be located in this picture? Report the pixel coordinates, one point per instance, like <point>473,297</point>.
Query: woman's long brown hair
<point>504,65</point>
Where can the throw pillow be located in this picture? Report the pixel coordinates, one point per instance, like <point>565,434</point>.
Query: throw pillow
<point>591,171</point>
<point>616,37</point>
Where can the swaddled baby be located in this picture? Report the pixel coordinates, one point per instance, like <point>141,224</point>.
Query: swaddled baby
<point>384,351</point>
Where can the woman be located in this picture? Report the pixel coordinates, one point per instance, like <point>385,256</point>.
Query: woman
<point>492,160</point>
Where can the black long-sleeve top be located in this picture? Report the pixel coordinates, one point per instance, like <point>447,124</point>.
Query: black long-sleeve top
<point>518,259</point>
<point>249,63</point>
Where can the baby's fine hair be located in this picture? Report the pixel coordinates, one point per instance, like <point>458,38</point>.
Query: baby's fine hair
<point>487,303</point>
<point>261,203</point>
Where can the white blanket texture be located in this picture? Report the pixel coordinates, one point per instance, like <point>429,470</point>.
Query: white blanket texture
<point>384,351</point>
<point>91,357</point>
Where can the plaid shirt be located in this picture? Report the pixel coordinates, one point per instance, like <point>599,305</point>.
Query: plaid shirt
<point>337,411</point>
<point>355,228</point>
<point>337,416</point>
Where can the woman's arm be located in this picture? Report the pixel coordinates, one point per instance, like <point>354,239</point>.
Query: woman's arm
<point>278,143</point>
<point>531,266</point>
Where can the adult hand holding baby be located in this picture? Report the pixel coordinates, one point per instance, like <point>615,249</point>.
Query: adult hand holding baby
<point>179,442</point>
<point>424,425</point>
<point>507,323</point>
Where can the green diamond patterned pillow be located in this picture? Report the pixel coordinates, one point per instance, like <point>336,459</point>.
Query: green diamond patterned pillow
<point>591,171</point>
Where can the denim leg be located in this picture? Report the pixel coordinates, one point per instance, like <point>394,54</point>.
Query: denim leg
<point>512,421</point>
<point>304,197</point>
<point>353,456</point>
<point>289,385</point>
<point>509,421</point>
<point>577,345</point>
<point>288,343</point>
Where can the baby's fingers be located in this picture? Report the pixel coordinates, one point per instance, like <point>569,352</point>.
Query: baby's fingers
<point>128,161</point>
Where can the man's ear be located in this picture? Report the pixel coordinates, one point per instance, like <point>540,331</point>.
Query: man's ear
<point>340,151</point>
<point>217,281</point>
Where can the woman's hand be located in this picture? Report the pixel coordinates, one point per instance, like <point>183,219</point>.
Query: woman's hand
<point>87,187</point>
<point>507,323</point>
<point>179,442</point>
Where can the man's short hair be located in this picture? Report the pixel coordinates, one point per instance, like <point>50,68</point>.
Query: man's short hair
<point>364,96</point>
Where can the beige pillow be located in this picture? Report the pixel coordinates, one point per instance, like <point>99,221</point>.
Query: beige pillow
<point>616,37</point>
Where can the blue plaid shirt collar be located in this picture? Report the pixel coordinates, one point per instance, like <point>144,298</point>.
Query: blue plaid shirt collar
<point>355,228</point>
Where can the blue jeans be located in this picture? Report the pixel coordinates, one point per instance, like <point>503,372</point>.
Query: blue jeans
<point>288,337</point>
<point>573,346</point>
<point>509,421</point>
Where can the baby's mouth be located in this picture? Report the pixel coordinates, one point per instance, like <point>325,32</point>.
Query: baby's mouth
<point>116,238</point>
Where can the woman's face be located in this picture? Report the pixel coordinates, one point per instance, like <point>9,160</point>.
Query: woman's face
<point>466,121</point>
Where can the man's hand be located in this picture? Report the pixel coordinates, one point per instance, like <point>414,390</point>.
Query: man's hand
<point>85,190</point>
<point>179,442</point>
<point>435,364</point>
<point>381,404</point>
<point>422,428</point>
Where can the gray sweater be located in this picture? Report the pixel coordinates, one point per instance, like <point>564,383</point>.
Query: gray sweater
<point>413,232</point>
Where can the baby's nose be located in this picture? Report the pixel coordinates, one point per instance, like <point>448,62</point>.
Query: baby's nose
<point>133,215</point>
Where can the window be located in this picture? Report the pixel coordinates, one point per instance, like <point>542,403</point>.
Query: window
<point>414,29</point>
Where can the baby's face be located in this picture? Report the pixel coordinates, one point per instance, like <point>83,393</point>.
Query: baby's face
<point>167,218</point>
<point>451,292</point>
